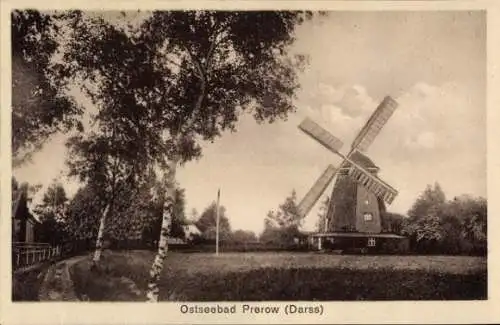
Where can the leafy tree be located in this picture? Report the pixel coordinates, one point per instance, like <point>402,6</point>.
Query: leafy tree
<point>431,198</point>
<point>50,231</point>
<point>207,223</point>
<point>182,77</point>
<point>229,62</point>
<point>287,214</point>
<point>321,225</point>
<point>426,232</point>
<point>270,234</point>
<point>451,227</point>
<point>179,215</point>
<point>137,214</point>
<point>424,226</point>
<point>55,197</point>
<point>40,107</point>
<point>104,160</point>
<point>108,64</point>
<point>83,213</point>
<point>282,226</point>
<point>466,221</point>
<point>243,236</point>
<point>152,233</point>
<point>134,208</point>
<point>52,215</point>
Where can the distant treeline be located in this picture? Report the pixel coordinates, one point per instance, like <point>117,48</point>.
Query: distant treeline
<point>435,225</point>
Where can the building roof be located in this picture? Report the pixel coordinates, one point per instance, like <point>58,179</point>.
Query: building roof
<point>192,228</point>
<point>19,206</point>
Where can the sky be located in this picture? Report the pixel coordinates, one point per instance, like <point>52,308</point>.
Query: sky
<point>432,63</point>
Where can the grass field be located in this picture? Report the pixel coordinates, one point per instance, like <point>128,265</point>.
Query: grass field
<point>287,276</point>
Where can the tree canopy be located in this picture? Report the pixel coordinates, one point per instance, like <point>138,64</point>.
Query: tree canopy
<point>40,106</point>
<point>243,236</point>
<point>447,226</point>
<point>282,226</point>
<point>185,76</point>
<point>52,214</point>
<point>431,199</point>
<point>207,223</point>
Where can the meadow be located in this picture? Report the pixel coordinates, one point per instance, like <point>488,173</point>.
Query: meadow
<point>284,276</point>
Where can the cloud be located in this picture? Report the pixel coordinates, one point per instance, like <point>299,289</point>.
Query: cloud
<point>355,101</point>
<point>435,134</point>
<point>425,139</point>
<point>342,109</point>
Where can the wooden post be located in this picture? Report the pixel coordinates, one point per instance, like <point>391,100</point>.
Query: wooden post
<point>319,243</point>
<point>217,224</point>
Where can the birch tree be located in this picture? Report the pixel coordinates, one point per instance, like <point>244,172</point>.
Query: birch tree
<point>229,63</point>
<point>184,77</point>
<point>102,161</point>
<point>103,60</point>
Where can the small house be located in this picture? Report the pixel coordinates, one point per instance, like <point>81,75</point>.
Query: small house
<point>191,231</point>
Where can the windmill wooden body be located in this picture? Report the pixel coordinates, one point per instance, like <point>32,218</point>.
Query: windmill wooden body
<point>359,196</point>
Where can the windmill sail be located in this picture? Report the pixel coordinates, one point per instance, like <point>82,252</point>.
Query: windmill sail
<point>315,192</point>
<point>321,135</point>
<point>374,124</point>
<point>372,183</point>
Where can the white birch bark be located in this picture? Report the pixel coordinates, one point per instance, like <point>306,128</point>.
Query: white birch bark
<point>100,236</point>
<point>168,207</point>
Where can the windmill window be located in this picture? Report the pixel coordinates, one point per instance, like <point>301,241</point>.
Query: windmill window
<point>371,242</point>
<point>368,217</point>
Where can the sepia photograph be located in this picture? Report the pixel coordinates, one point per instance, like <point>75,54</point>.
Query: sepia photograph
<point>196,156</point>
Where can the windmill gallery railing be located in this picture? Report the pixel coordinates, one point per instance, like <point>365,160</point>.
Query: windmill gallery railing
<point>29,254</point>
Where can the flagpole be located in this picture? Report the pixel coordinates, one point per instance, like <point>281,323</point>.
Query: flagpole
<point>217,224</point>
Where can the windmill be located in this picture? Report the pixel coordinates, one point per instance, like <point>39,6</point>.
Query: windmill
<point>359,194</point>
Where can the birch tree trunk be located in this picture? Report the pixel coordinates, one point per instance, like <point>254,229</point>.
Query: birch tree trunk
<point>100,236</point>
<point>168,207</point>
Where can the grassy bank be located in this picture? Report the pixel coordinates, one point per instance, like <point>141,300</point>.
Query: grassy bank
<point>26,285</point>
<point>287,276</point>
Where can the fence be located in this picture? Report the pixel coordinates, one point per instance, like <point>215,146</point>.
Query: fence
<point>29,254</point>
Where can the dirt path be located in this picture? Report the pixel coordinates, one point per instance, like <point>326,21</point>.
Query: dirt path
<point>57,284</point>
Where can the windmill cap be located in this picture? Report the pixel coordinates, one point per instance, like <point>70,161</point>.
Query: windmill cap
<point>360,159</point>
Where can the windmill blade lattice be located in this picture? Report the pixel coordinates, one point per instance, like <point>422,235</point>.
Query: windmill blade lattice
<point>374,124</point>
<point>321,135</point>
<point>316,191</point>
<point>372,183</point>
